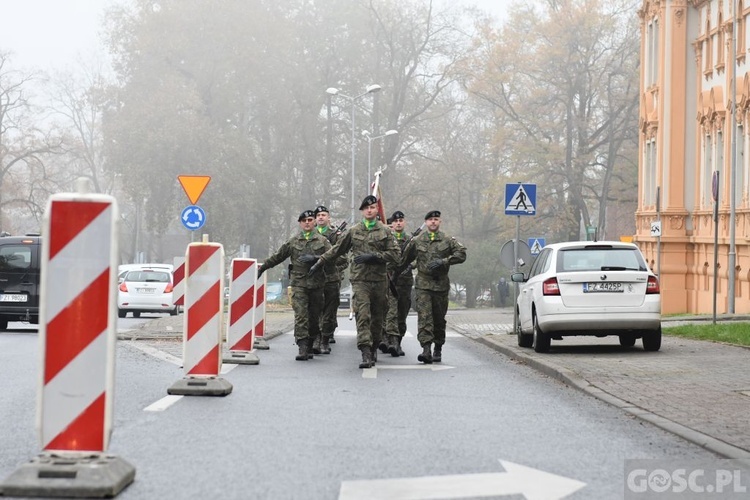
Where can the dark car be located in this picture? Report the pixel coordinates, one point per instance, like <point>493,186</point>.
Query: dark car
<point>19,279</point>
<point>345,297</point>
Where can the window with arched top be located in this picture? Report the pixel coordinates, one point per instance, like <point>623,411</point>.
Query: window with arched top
<point>720,47</point>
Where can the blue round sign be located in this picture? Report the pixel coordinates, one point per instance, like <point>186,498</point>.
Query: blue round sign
<point>193,217</point>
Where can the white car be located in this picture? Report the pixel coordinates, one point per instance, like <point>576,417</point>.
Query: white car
<point>588,288</point>
<point>145,290</point>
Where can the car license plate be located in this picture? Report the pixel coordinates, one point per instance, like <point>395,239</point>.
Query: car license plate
<point>602,287</point>
<point>146,291</point>
<point>14,297</point>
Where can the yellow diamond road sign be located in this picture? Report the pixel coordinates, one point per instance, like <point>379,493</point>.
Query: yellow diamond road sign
<point>194,185</point>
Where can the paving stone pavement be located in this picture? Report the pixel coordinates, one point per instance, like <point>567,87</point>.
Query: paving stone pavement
<point>696,389</point>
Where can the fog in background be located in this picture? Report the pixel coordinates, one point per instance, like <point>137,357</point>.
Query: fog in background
<point>131,94</point>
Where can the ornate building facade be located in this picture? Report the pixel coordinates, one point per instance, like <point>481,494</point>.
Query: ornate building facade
<point>692,150</point>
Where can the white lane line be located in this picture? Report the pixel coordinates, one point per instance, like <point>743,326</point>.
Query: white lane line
<point>156,353</point>
<point>163,403</point>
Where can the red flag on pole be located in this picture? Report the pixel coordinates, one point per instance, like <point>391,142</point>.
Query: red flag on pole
<point>376,192</point>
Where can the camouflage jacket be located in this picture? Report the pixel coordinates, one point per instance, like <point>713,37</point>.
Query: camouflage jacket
<point>359,240</point>
<point>292,249</point>
<point>405,278</point>
<point>334,268</point>
<point>442,247</point>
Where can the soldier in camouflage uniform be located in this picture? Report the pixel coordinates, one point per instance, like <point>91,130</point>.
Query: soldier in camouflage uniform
<point>434,252</point>
<point>372,246</point>
<point>303,250</point>
<point>398,307</point>
<point>334,272</point>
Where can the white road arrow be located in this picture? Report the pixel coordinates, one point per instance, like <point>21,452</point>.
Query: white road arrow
<point>517,479</point>
<point>373,372</point>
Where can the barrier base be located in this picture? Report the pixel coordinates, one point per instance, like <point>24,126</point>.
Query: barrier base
<point>241,358</point>
<point>260,343</point>
<point>200,386</point>
<point>56,475</point>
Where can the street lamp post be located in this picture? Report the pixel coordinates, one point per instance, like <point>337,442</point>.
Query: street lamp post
<point>370,138</point>
<point>371,89</point>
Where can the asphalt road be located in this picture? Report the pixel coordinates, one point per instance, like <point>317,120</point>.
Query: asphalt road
<point>326,429</point>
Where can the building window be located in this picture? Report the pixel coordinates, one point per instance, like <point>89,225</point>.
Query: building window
<point>649,173</point>
<point>740,29</point>
<point>720,49</point>
<point>652,53</point>
<point>707,170</point>
<point>707,52</point>
<point>739,167</point>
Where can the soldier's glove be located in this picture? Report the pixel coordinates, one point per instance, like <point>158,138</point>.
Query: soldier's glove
<point>261,270</point>
<point>435,265</point>
<point>315,267</point>
<point>368,258</point>
<point>308,258</point>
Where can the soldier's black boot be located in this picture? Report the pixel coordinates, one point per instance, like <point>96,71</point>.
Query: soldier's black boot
<point>316,345</point>
<point>366,358</point>
<point>374,355</point>
<point>393,345</point>
<point>400,351</point>
<point>302,356</point>
<point>310,342</point>
<point>437,354</point>
<point>324,347</point>
<point>332,340</point>
<point>426,356</point>
<point>383,346</point>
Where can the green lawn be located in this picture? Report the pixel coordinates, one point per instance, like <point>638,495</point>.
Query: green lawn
<point>731,333</point>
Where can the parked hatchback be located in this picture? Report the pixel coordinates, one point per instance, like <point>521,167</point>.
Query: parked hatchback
<point>145,290</point>
<point>19,279</point>
<point>588,288</point>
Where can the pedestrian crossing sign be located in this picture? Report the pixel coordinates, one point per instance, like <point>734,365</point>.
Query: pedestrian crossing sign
<point>536,245</point>
<point>520,199</point>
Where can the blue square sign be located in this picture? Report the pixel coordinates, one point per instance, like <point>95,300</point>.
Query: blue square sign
<point>520,199</point>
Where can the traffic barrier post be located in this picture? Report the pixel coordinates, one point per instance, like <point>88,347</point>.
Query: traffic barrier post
<point>259,330</point>
<point>178,277</point>
<point>203,319</point>
<point>241,312</point>
<point>77,336</point>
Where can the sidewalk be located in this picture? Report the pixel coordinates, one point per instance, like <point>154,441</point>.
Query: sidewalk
<point>695,389</point>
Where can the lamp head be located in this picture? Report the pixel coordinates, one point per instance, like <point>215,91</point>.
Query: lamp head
<point>391,132</point>
<point>371,89</point>
<point>366,133</point>
<point>332,91</point>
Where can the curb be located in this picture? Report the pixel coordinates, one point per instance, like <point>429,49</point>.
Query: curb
<point>575,380</point>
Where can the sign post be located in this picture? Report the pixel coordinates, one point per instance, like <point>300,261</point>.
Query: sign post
<point>520,199</point>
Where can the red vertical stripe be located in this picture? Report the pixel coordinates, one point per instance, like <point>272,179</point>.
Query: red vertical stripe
<point>76,326</point>
<point>85,433</point>
<point>209,365</point>
<point>197,255</point>
<point>242,305</point>
<point>203,310</point>
<point>68,219</point>
<point>260,328</point>
<point>179,273</point>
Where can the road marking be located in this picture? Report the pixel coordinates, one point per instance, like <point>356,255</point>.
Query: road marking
<point>532,483</point>
<point>163,403</point>
<point>373,372</point>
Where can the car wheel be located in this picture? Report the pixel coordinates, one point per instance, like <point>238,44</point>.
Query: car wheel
<point>627,340</point>
<point>524,339</point>
<point>541,340</point>
<point>3,325</point>
<point>136,314</point>
<point>121,313</point>
<point>652,340</point>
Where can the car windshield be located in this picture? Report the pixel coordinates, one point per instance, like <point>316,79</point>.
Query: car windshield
<point>15,257</point>
<point>148,276</point>
<point>600,259</point>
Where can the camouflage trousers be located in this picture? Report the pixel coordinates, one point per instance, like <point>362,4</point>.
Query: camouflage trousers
<point>328,319</point>
<point>369,303</point>
<point>307,304</point>
<point>431,310</point>
<point>398,310</point>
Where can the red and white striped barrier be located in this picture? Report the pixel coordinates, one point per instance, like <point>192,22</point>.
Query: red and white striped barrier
<point>178,276</point>
<point>241,313</point>
<point>77,326</point>
<point>259,329</point>
<point>204,313</point>
<point>77,335</point>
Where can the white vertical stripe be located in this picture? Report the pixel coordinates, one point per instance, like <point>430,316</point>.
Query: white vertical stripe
<point>72,390</point>
<point>72,270</point>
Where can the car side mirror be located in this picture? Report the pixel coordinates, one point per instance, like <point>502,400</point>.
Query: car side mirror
<point>518,277</point>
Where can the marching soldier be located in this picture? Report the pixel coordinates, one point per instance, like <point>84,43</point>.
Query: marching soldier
<point>334,272</point>
<point>434,252</point>
<point>372,246</point>
<point>398,307</point>
<point>304,251</point>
